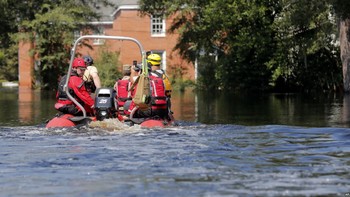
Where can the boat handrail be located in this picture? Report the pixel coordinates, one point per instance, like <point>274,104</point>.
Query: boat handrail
<point>65,87</point>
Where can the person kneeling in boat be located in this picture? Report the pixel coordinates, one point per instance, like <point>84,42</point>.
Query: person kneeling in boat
<point>129,104</point>
<point>76,89</point>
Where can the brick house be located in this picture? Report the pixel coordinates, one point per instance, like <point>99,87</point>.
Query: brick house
<point>123,20</point>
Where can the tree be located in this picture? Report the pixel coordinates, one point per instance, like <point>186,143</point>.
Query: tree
<point>8,21</point>
<point>50,25</point>
<point>306,33</point>
<point>341,9</point>
<point>107,73</point>
<point>258,42</point>
<point>53,28</point>
<point>237,30</point>
<point>12,13</point>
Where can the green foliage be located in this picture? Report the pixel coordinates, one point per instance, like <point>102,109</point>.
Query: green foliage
<point>305,36</point>
<point>207,73</point>
<point>53,26</point>
<point>8,66</point>
<point>7,18</point>
<point>8,21</point>
<point>341,8</point>
<point>260,43</point>
<point>313,77</point>
<point>2,63</point>
<point>177,78</point>
<point>50,24</point>
<point>107,64</point>
<point>240,31</point>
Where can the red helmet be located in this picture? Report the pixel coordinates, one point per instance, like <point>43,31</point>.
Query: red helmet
<point>78,62</point>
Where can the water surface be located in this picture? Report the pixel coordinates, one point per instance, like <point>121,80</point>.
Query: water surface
<point>188,160</point>
<point>274,145</point>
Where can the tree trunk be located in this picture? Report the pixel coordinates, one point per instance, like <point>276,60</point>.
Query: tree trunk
<point>344,36</point>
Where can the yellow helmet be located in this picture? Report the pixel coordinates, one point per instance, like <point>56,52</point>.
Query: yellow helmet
<point>154,59</point>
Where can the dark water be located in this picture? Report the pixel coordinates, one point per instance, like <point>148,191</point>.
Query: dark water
<point>225,145</point>
<point>28,108</point>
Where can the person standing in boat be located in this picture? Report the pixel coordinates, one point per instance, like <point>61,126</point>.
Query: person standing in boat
<point>91,77</point>
<point>159,106</point>
<point>155,61</point>
<point>76,89</point>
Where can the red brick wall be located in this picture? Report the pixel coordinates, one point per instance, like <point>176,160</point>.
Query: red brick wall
<point>26,65</point>
<point>129,23</point>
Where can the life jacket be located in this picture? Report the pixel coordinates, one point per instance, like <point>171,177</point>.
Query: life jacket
<point>167,83</point>
<point>88,81</point>
<point>61,95</point>
<point>158,99</point>
<point>132,105</point>
<point>158,96</point>
<point>64,104</point>
<point>123,93</point>
<point>90,86</point>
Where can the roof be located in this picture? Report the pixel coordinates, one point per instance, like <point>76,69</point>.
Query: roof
<point>109,12</point>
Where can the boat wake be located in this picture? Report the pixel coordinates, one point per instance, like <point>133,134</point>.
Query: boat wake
<point>112,125</point>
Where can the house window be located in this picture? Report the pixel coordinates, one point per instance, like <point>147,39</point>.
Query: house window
<point>157,26</point>
<point>99,31</point>
<point>76,35</point>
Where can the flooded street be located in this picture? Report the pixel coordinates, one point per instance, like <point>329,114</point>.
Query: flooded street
<point>271,146</point>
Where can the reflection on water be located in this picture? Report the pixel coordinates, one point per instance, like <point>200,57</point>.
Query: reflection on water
<point>27,107</point>
<point>274,109</point>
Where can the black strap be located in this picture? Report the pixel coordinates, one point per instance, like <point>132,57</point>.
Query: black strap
<point>158,74</point>
<point>124,99</point>
<point>159,97</point>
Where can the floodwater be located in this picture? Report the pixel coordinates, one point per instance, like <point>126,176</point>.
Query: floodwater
<point>224,145</point>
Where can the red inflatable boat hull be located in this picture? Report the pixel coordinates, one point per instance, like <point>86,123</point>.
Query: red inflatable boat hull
<point>65,121</point>
<point>61,121</point>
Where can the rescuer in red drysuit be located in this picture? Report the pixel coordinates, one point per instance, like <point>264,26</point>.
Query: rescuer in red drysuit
<point>76,89</point>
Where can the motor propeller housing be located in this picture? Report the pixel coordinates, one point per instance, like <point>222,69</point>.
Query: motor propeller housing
<point>104,103</point>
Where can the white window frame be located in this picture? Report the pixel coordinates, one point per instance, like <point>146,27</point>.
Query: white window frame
<point>157,26</point>
<point>76,34</point>
<point>164,60</point>
<point>99,31</point>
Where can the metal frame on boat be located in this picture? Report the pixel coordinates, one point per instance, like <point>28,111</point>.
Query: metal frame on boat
<point>67,120</point>
<point>121,38</point>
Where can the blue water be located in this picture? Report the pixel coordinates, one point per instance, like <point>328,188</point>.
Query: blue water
<point>225,145</point>
<point>192,159</point>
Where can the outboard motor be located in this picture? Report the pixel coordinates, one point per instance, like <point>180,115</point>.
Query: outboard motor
<point>104,103</point>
